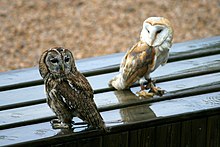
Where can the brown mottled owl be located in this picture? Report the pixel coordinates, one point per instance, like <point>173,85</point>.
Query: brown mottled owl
<point>68,91</point>
<point>145,56</point>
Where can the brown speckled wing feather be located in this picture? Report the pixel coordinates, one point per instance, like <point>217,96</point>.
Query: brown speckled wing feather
<point>137,62</point>
<point>79,98</point>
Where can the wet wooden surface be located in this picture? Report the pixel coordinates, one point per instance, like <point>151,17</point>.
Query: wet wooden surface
<point>187,115</point>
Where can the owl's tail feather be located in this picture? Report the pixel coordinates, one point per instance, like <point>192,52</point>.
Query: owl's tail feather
<point>104,128</point>
<point>118,82</point>
<point>98,122</point>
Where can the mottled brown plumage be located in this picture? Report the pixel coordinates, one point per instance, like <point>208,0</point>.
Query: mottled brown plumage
<point>68,91</point>
<point>145,56</point>
<point>136,62</point>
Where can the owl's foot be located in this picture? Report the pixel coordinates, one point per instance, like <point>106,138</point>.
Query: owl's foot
<point>150,83</point>
<point>144,94</point>
<point>55,121</point>
<point>57,124</point>
<point>157,91</point>
<point>153,89</point>
<point>61,126</point>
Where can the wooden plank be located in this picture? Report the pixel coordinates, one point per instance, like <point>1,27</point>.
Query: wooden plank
<point>31,76</point>
<point>179,51</point>
<point>186,68</point>
<point>22,96</point>
<point>43,134</point>
<point>111,98</point>
<point>193,132</point>
<point>88,142</point>
<point>196,44</point>
<point>34,114</point>
<point>186,134</point>
<point>26,133</point>
<point>188,104</point>
<point>115,100</point>
<point>25,113</point>
<point>142,137</point>
<point>175,135</point>
<point>115,140</point>
<point>162,136</point>
<point>35,133</point>
<point>213,131</point>
<point>168,135</point>
<point>186,83</point>
<point>192,67</point>
<point>199,132</point>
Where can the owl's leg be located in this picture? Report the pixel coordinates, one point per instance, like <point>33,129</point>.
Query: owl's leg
<point>61,126</point>
<point>149,82</point>
<point>142,92</point>
<point>54,121</point>
<point>141,82</point>
<point>58,124</point>
<point>62,112</point>
<point>154,89</point>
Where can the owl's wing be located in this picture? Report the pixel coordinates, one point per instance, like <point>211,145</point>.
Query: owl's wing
<point>78,95</point>
<point>78,80</point>
<point>165,54</point>
<point>137,62</point>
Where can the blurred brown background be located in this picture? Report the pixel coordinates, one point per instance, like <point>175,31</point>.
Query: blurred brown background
<point>93,27</point>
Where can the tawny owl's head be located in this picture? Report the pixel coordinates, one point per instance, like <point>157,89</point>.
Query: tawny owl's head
<point>156,30</point>
<point>57,61</point>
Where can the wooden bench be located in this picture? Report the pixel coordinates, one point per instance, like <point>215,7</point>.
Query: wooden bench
<point>187,115</point>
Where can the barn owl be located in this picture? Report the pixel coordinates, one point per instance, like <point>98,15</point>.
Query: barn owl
<point>68,91</point>
<point>145,56</point>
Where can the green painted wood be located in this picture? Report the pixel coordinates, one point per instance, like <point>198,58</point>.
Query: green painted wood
<point>104,64</point>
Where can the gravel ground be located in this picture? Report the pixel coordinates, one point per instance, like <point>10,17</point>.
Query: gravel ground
<point>93,27</point>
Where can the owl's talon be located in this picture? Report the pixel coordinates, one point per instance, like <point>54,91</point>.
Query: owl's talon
<point>144,94</point>
<point>150,83</point>
<point>57,124</point>
<point>54,121</point>
<point>157,90</point>
<point>61,126</point>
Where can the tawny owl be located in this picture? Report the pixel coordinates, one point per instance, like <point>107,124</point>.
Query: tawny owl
<point>68,91</point>
<point>145,56</point>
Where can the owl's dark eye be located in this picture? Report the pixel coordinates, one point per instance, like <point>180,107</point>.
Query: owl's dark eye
<point>158,31</point>
<point>147,30</point>
<point>67,59</point>
<point>54,60</point>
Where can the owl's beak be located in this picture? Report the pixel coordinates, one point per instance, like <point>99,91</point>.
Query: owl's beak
<point>151,40</point>
<point>62,67</point>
